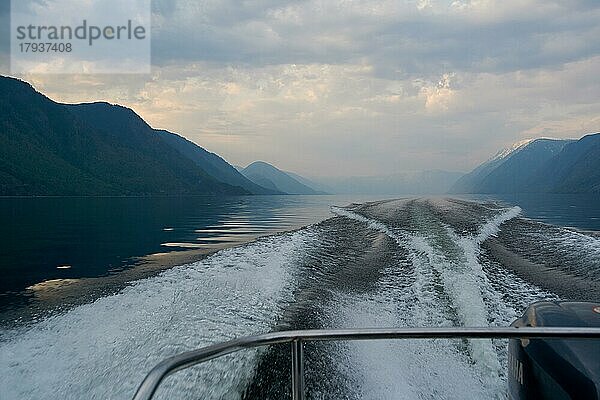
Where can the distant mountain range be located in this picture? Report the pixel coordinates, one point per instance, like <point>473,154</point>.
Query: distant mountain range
<point>538,166</point>
<point>48,148</point>
<point>214,165</point>
<point>415,183</point>
<point>270,177</point>
<point>408,183</point>
<point>100,149</point>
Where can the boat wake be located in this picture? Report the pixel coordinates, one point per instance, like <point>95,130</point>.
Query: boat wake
<point>414,262</point>
<point>104,349</point>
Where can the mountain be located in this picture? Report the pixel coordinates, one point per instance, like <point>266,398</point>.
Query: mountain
<point>576,169</point>
<point>48,148</point>
<point>214,165</point>
<point>477,176</point>
<point>510,170</point>
<point>311,183</point>
<point>270,177</point>
<point>423,182</point>
<point>539,166</point>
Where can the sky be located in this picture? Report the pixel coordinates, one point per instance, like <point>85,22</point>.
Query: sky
<point>356,88</point>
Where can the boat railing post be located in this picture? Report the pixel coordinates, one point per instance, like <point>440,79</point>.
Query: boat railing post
<point>297,370</point>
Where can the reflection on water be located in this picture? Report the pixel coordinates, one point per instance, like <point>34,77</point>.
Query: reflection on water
<point>58,251</point>
<point>59,244</point>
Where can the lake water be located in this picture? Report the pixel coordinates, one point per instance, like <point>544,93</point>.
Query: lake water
<point>48,243</point>
<point>89,292</point>
<point>567,210</point>
<point>51,245</point>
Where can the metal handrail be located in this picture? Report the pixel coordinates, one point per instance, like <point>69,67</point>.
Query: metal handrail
<point>148,387</point>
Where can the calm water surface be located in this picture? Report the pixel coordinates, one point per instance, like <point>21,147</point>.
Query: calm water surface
<point>580,211</point>
<point>56,248</point>
<point>49,244</point>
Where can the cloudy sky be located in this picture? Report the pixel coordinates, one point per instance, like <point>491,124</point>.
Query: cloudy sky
<point>341,87</point>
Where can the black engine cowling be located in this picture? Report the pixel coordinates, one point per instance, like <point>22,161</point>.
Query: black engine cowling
<point>555,368</point>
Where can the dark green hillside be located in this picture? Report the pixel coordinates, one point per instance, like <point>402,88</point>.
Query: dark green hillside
<point>212,163</point>
<point>47,148</point>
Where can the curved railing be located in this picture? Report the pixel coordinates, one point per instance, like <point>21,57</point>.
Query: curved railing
<point>296,339</point>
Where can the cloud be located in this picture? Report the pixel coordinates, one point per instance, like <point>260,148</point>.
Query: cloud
<point>405,37</point>
<point>357,87</point>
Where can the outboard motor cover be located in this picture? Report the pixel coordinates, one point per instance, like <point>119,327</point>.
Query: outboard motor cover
<point>555,368</point>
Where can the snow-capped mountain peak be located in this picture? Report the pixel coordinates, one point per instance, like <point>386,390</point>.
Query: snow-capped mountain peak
<point>511,149</point>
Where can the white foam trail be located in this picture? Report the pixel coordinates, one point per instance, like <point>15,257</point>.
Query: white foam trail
<point>469,289</point>
<point>460,278</point>
<point>471,286</point>
<point>425,308</point>
<point>400,369</point>
<point>371,223</point>
<point>463,279</point>
<point>102,350</point>
<point>578,252</point>
<point>493,309</point>
<point>471,249</point>
<point>492,227</point>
